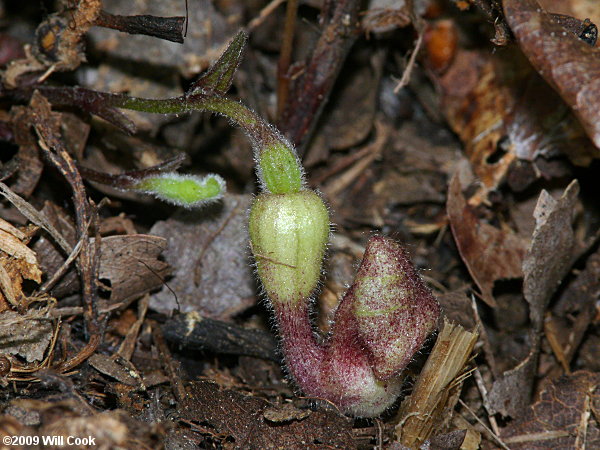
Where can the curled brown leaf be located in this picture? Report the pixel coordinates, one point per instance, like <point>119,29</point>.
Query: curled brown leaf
<point>570,65</point>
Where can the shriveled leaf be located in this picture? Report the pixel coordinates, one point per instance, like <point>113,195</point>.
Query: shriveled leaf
<point>570,65</point>
<point>579,9</point>
<point>562,418</point>
<point>51,256</point>
<point>576,307</point>
<point>27,335</point>
<point>476,101</point>
<point>548,259</point>
<point>131,263</point>
<point>503,112</point>
<point>17,262</point>
<point>550,254</point>
<point>111,367</point>
<point>28,159</point>
<point>385,15</point>
<point>489,253</point>
<point>518,380</point>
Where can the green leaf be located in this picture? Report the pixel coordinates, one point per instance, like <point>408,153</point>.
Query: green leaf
<point>189,191</point>
<point>219,76</point>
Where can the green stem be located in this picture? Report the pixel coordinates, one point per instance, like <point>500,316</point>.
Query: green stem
<point>278,166</point>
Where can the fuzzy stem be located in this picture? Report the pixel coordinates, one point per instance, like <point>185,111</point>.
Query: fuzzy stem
<point>337,369</point>
<point>247,119</point>
<point>304,356</point>
<point>278,166</point>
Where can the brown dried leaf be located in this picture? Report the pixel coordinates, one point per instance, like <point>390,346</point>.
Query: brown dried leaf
<point>208,250</point>
<point>476,100</point>
<point>111,367</point>
<point>561,418</point>
<point>27,335</point>
<point>503,111</point>
<point>489,253</point>
<point>457,308</point>
<point>575,309</point>
<point>385,15</point>
<point>17,262</point>
<point>51,256</point>
<point>233,414</point>
<point>132,266</point>
<point>109,429</point>
<point>348,116</point>
<point>548,260</point>
<point>511,393</point>
<point>550,254</point>
<point>571,66</point>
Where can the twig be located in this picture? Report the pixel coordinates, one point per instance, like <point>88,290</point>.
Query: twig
<point>34,216</point>
<point>494,435</point>
<point>311,90</point>
<point>405,79</point>
<point>63,268</point>
<point>167,28</point>
<point>47,127</point>
<point>264,13</point>
<point>419,25</point>
<point>486,403</point>
<point>168,363</point>
<point>285,56</point>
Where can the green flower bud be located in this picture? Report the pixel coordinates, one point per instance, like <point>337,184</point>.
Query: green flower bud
<point>288,234</point>
<point>279,169</point>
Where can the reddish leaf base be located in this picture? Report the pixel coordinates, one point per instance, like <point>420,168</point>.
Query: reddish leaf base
<point>382,321</point>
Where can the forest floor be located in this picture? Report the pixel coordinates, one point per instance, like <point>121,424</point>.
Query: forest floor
<point>467,130</point>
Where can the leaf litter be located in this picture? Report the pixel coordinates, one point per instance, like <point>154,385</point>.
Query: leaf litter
<point>142,325</point>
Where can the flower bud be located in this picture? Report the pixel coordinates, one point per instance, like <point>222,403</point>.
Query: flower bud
<point>288,234</point>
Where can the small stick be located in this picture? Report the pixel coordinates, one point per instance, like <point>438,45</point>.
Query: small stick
<point>285,57</point>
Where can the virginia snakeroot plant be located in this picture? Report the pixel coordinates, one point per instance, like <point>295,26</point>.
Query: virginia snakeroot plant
<point>385,316</point>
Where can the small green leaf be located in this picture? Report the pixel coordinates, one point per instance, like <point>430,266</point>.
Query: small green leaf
<point>219,76</point>
<point>189,191</point>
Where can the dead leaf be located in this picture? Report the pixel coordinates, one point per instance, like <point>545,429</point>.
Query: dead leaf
<point>489,253</point>
<point>131,263</point>
<point>208,250</point>
<point>575,309</point>
<point>385,15</point>
<point>17,262</point>
<point>503,112</point>
<point>511,393</point>
<point>550,254</point>
<point>285,413</point>
<point>549,257</point>
<point>561,418</point>
<point>476,100</point>
<point>570,65</point>
<point>51,255</point>
<point>117,369</point>
<point>27,335</point>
